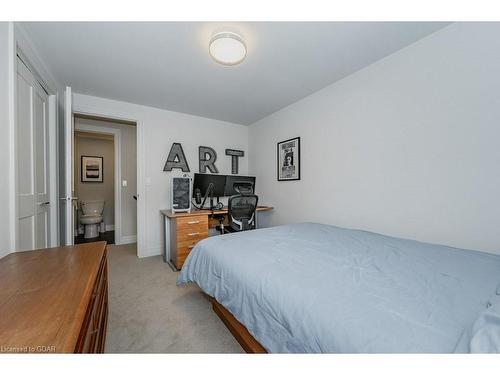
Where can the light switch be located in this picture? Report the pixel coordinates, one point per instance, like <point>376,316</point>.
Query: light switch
<point>124,183</point>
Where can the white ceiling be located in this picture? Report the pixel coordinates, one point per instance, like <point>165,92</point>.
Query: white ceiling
<point>167,65</point>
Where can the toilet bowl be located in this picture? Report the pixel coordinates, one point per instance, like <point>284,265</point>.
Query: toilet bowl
<point>91,217</point>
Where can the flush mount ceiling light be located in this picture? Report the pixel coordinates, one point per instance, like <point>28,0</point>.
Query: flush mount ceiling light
<point>227,48</point>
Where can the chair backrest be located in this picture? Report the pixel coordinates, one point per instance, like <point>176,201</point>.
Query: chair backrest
<point>241,211</point>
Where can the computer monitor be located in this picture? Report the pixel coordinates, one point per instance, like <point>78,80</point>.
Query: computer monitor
<point>231,179</point>
<point>202,180</point>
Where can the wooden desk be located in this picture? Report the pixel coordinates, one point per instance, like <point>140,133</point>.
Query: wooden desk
<point>183,230</point>
<point>54,300</point>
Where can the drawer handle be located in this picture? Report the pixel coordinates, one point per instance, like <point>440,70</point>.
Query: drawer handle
<point>194,222</point>
<point>193,234</point>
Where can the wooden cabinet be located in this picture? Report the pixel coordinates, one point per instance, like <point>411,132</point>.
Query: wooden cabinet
<point>185,232</point>
<point>54,300</point>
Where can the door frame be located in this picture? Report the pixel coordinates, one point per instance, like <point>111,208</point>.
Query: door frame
<point>16,53</point>
<point>69,180</point>
<point>117,144</point>
<point>123,116</point>
<point>54,169</point>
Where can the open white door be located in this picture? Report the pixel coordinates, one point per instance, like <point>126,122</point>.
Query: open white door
<point>69,182</point>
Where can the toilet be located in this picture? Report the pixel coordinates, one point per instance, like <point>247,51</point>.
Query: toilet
<point>91,217</point>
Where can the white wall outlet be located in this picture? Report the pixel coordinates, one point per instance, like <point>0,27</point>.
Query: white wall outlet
<point>124,183</point>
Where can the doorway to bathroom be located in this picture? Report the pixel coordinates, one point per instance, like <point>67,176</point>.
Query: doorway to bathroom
<point>105,180</point>
<point>94,186</point>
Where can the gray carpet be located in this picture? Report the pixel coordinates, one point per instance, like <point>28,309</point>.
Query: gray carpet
<point>148,313</point>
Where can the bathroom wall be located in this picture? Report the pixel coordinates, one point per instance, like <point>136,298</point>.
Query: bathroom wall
<point>96,145</point>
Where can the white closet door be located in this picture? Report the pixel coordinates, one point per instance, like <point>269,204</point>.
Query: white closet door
<point>42,193</point>
<point>25,158</point>
<point>32,161</point>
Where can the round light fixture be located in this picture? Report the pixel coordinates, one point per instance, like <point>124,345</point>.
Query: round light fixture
<point>227,48</point>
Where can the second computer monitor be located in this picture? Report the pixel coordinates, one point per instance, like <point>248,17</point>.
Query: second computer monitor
<point>202,180</point>
<point>232,179</point>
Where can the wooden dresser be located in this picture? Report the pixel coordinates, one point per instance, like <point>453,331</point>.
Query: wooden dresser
<point>185,232</point>
<point>54,300</point>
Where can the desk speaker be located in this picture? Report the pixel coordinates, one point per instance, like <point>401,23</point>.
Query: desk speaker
<point>181,194</point>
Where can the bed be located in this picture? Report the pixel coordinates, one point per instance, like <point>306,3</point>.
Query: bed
<point>315,288</point>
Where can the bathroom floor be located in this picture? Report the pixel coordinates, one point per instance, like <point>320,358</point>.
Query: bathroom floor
<point>108,236</point>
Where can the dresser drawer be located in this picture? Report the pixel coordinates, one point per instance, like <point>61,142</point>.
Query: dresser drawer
<point>101,295</point>
<point>88,339</point>
<point>186,244</point>
<point>85,342</point>
<point>91,336</point>
<point>184,250</point>
<point>190,236</point>
<point>194,223</point>
<point>99,331</point>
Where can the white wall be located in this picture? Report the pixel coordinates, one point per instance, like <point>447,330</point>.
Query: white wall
<point>4,140</point>
<point>160,129</point>
<point>408,146</point>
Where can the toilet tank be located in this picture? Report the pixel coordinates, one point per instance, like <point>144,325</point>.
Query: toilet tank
<point>92,207</point>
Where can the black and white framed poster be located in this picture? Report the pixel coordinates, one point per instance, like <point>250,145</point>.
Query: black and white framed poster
<point>92,169</point>
<point>289,160</point>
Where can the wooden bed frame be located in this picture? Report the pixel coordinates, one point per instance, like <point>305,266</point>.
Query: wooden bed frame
<point>238,330</point>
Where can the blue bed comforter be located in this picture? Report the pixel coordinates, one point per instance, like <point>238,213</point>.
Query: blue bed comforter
<point>319,288</point>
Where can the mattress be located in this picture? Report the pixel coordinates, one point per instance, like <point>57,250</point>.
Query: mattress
<point>315,288</point>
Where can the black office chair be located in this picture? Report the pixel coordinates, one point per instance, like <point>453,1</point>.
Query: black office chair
<point>241,209</point>
<point>241,212</point>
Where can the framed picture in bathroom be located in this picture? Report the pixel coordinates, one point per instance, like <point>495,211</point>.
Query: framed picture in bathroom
<point>92,168</point>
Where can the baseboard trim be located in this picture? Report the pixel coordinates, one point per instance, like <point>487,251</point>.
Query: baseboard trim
<point>128,239</point>
<point>150,252</point>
